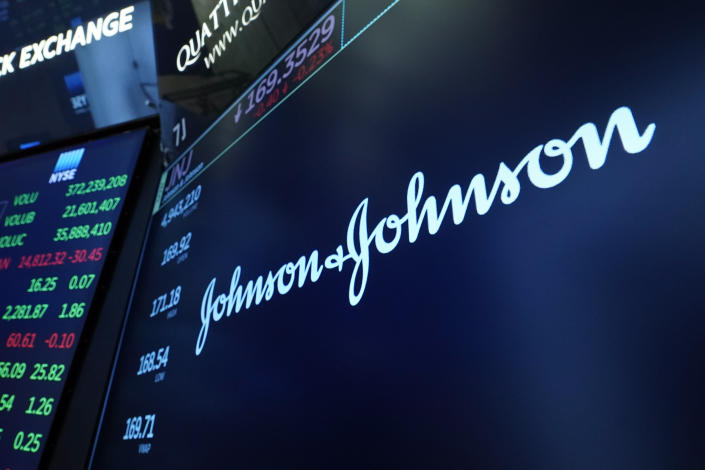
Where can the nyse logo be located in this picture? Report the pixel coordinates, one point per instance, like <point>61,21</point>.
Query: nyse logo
<point>66,166</point>
<point>79,103</point>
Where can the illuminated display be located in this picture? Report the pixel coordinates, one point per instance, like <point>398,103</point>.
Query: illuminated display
<point>211,51</point>
<point>55,238</point>
<point>47,49</point>
<point>429,236</point>
<point>67,67</point>
<point>287,73</point>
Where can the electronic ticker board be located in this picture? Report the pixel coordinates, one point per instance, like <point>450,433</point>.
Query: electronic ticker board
<point>452,235</point>
<point>58,213</point>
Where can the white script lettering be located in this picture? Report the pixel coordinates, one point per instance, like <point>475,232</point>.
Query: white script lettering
<point>419,211</point>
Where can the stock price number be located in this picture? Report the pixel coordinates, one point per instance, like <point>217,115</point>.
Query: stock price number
<point>153,361</point>
<point>47,372</point>
<point>12,370</point>
<point>83,256</point>
<point>43,284</point>
<point>19,340</point>
<point>24,312</point>
<point>90,208</point>
<point>42,260</point>
<point>41,406</point>
<point>83,232</point>
<point>29,442</point>
<point>181,207</point>
<point>60,341</point>
<point>6,401</point>
<point>177,249</point>
<point>81,282</point>
<point>75,310</point>
<point>79,189</point>
<point>139,427</point>
<point>166,301</point>
<point>58,258</point>
<point>295,59</point>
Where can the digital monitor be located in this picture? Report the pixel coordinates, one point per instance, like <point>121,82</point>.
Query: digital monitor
<point>59,211</point>
<point>71,66</point>
<point>458,235</point>
<point>209,52</point>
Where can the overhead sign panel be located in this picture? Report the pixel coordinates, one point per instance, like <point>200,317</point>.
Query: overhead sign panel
<point>210,52</point>
<point>74,70</point>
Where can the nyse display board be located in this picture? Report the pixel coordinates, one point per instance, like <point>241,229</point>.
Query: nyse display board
<point>58,212</point>
<point>69,67</point>
<point>459,235</point>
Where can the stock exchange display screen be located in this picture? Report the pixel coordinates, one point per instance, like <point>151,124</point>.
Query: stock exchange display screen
<point>58,213</point>
<point>70,66</point>
<point>432,235</point>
